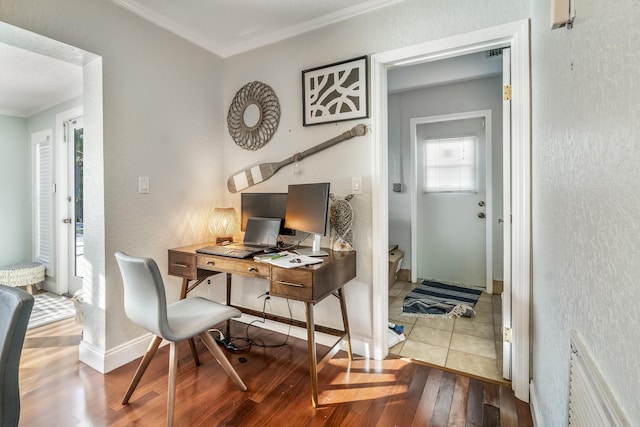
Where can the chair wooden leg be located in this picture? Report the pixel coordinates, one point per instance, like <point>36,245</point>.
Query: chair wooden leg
<point>171,392</point>
<point>144,363</point>
<point>194,351</point>
<point>222,359</point>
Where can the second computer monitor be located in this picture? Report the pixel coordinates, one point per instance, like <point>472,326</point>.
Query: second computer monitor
<point>307,208</point>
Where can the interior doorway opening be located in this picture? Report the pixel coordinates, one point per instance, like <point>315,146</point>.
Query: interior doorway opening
<point>515,36</point>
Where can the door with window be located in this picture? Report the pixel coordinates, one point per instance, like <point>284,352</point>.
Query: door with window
<point>73,222</point>
<point>452,201</point>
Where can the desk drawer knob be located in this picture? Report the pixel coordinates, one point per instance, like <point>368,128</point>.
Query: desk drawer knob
<point>177,264</point>
<point>252,270</point>
<point>211,263</point>
<point>297,285</point>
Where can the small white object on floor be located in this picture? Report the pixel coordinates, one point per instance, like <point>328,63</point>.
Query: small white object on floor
<point>394,338</point>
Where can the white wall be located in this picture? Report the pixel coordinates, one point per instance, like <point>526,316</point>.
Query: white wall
<point>165,104</point>
<point>162,118</point>
<point>586,200</point>
<point>481,94</point>
<point>15,190</point>
<point>280,66</point>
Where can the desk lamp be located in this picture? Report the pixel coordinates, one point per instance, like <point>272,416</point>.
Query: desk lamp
<point>223,224</point>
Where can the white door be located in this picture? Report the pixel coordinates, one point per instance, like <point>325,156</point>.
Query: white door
<point>452,222</point>
<point>506,207</point>
<point>73,222</point>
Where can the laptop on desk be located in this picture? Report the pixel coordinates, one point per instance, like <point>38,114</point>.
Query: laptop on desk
<point>261,234</point>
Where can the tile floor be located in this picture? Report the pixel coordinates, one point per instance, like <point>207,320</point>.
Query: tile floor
<point>470,345</point>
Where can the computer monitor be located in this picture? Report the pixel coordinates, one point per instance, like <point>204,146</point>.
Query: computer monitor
<point>264,205</point>
<point>307,206</point>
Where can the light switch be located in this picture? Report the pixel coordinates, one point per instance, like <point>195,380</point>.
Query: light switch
<point>143,185</point>
<point>356,185</point>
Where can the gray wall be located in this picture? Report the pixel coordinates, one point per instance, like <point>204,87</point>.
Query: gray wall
<point>481,94</point>
<point>586,200</point>
<point>15,190</point>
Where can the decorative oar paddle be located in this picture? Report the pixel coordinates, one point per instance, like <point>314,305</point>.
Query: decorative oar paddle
<point>264,171</point>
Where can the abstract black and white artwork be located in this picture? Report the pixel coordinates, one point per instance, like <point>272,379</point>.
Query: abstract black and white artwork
<point>335,92</point>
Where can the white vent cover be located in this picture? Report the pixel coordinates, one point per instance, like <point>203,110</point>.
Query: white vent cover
<point>590,401</point>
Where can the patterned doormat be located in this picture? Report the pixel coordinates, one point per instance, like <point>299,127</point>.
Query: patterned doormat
<point>440,300</point>
<point>49,308</point>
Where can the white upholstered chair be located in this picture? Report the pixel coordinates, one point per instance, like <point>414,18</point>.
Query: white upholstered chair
<point>145,304</point>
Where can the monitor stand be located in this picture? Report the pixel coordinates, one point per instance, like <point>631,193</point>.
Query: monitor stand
<point>314,250</point>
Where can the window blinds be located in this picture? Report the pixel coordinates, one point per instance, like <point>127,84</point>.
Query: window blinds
<point>44,202</point>
<point>450,165</point>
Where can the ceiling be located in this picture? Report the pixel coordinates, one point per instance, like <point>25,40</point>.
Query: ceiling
<point>31,82</point>
<point>230,27</point>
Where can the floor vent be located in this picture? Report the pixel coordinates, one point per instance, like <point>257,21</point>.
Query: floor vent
<point>590,401</point>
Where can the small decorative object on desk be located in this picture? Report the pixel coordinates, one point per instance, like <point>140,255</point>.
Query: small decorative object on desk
<point>341,219</point>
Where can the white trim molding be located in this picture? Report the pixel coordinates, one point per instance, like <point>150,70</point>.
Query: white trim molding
<point>516,36</point>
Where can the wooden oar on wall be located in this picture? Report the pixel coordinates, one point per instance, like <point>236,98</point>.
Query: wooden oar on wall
<point>256,174</point>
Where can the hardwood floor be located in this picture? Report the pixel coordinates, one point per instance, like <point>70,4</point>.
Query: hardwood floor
<point>58,390</point>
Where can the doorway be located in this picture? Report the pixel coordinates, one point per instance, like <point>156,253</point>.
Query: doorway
<point>515,36</point>
<point>73,224</point>
<point>451,227</point>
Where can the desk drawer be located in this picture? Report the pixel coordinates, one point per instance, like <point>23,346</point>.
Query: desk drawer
<point>293,283</point>
<point>182,265</point>
<point>243,267</point>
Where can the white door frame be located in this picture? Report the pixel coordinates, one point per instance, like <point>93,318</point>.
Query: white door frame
<point>413,130</point>
<point>61,229</point>
<point>516,36</point>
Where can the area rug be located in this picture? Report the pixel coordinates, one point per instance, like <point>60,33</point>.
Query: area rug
<point>49,308</point>
<point>437,299</point>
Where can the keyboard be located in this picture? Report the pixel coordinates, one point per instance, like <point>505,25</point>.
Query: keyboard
<point>226,251</point>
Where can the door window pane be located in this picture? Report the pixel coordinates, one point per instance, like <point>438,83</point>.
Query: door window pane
<point>450,165</point>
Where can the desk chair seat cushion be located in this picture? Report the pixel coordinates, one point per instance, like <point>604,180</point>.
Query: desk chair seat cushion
<point>192,316</point>
<point>145,303</point>
<point>15,309</point>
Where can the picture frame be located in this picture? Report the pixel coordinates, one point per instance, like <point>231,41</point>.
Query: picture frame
<point>336,92</point>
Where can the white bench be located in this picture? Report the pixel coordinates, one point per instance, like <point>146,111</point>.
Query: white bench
<point>22,274</point>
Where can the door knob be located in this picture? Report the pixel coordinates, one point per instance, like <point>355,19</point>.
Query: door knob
<point>67,220</point>
<point>481,215</point>
<point>500,220</point>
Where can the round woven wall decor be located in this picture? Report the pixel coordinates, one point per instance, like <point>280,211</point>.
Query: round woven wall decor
<point>254,115</point>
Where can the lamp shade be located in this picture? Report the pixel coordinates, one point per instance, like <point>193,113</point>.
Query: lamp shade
<point>224,224</point>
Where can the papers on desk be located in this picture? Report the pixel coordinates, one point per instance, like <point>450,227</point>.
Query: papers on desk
<point>287,259</point>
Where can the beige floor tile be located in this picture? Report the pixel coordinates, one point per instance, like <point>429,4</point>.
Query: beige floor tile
<point>485,297</point>
<point>481,330</point>
<point>474,345</point>
<point>425,352</point>
<point>473,364</point>
<point>442,323</point>
<point>396,349</point>
<point>483,306</point>
<point>431,336</point>
<point>485,317</point>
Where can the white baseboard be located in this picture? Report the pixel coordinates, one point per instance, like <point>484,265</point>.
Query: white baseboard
<point>131,350</point>
<point>117,356</point>
<point>534,405</point>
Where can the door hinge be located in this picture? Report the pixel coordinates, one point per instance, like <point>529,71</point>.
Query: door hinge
<point>506,335</point>
<point>507,92</point>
